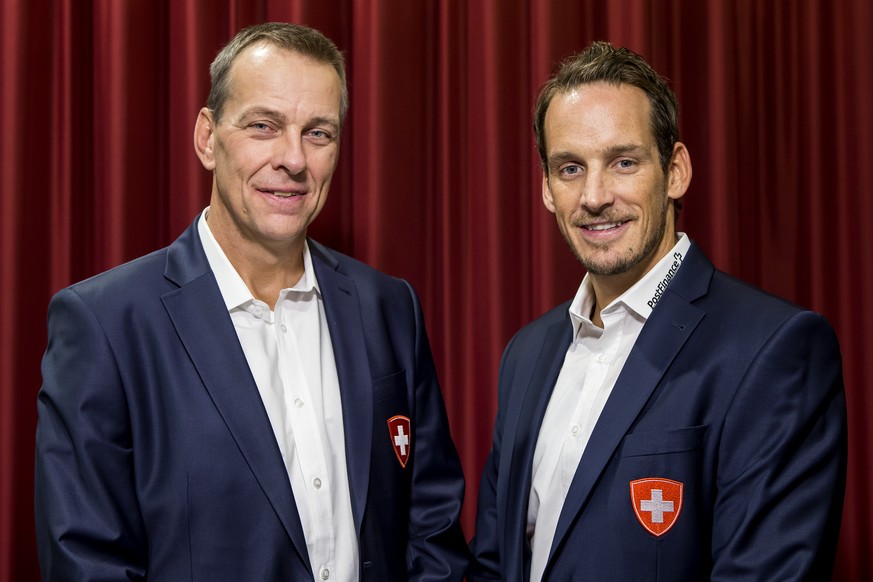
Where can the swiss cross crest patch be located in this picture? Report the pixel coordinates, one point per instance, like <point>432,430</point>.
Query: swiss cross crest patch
<point>400,431</point>
<point>657,503</point>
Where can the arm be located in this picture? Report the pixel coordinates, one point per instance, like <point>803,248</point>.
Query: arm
<point>437,548</point>
<point>87,520</point>
<point>782,468</point>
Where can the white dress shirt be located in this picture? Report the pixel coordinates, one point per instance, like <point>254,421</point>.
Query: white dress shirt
<point>591,366</point>
<point>291,358</point>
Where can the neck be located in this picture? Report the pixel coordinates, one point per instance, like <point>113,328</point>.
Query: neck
<point>265,270</point>
<point>607,288</point>
<point>267,280</point>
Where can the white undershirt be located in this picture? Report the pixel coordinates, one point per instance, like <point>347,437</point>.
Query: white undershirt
<point>291,358</point>
<point>591,366</point>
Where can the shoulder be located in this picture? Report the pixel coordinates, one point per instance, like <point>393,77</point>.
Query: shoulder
<point>770,316</point>
<point>545,323</point>
<point>128,279</point>
<point>367,279</point>
<point>730,300</point>
<point>743,319</point>
<point>550,326</point>
<point>733,297</point>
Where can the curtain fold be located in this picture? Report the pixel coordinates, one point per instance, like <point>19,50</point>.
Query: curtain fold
<point>439,180</point>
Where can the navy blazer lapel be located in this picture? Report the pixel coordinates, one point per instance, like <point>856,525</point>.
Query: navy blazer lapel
<point>666,331</point>
<point>200,317</point>
<point>343,312</point>
<point>526,410</point>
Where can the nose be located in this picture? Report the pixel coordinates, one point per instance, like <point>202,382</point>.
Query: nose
<point>596,191</point>
<point>288,154</point>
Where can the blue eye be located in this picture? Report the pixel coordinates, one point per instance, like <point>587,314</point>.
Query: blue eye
<point>319,136</point>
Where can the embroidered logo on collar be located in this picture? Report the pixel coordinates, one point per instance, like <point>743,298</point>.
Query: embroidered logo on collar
<point>657,503</point>
<point>662,285</point>
<point>400,431</point>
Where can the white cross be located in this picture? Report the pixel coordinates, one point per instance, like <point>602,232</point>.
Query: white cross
<point>656,505</point>
<point>401,440</point>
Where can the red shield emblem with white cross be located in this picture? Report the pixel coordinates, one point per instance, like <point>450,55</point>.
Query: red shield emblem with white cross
<point>657,503</point>
<point>400,431</point>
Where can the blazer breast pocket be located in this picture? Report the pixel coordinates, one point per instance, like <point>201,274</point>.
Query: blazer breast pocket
<point>392,415</point>
<point>662,443</point>
<point>675,454</point>
<point>392,386</point>
<point>394,436</point>
<point>658,508</point>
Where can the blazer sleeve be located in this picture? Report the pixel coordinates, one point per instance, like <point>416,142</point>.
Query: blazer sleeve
<point>87,520</point>
<point>782,468</point>
<point>437,548</point>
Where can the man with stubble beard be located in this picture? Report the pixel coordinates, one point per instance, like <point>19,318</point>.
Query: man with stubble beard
<point>670,423</point>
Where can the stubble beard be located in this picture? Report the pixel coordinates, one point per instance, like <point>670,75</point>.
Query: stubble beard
<point>623,263</point>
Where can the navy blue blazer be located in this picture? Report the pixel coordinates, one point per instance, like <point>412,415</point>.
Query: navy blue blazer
<point>731,402</point>
<point>155,457</point>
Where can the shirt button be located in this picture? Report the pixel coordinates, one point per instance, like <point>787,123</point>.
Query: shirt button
<point>600,358</point>
<point>283,327</point>
<point>317,484</point>
<point>325,574</point>
<point>575,430</point>
<point>298,403</point>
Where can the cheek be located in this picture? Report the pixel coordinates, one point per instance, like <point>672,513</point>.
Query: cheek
<point>560,198</point>
<point>246,157</point>
<point>565,207</point>
<point>323,164</point>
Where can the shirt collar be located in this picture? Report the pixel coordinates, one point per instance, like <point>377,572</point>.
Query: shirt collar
<point>641,297</point>
<point>233,288</point>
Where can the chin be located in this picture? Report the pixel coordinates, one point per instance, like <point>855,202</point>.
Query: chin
<point>604,266</point>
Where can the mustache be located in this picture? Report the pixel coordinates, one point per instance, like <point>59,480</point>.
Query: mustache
<point>583,219</point>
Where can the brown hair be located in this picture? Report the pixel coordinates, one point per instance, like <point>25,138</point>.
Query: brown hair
<point>601,62</point>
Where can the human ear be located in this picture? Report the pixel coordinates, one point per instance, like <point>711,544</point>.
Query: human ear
<point>679,171</point>
<point>548,200</point>
<point>204,134</point>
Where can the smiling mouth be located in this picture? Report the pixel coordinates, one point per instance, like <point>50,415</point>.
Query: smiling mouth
<point>603,226</point>
<point>283,194</point>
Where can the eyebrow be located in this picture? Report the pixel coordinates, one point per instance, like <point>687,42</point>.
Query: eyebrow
<point>263,112</point>
<point>329,121</point>
<point>624,149</point>
<point>559,158</point>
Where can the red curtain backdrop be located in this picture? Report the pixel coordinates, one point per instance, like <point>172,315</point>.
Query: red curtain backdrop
<point>438,180</point>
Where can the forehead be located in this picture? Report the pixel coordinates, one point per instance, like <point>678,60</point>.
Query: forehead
<point>599,112</point>
<point>273,76</point>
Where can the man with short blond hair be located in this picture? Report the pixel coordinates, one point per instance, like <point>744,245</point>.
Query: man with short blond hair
<point>248,404</point>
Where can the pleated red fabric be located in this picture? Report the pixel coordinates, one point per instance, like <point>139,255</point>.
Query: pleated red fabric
<point>439,181</point>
